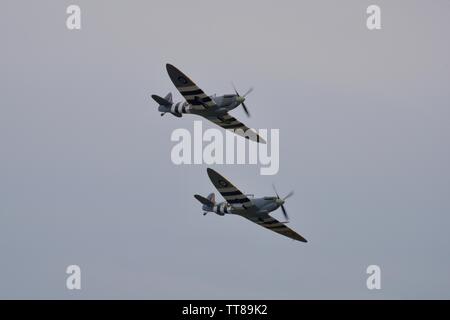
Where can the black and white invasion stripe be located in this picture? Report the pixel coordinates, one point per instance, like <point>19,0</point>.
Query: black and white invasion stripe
<point>271,223</point>
<point>180,107</point>
<point>228,122</point>
<point>195,96</point>
<point>221,208</point>
<point>235,198</point>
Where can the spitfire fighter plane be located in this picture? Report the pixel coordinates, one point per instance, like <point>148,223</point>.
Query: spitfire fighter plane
<point>256,209</point>
<point>213,108</point>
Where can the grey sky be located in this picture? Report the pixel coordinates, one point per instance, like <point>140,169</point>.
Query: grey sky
<point>86,176</point>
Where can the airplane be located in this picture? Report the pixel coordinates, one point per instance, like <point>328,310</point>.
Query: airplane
<point>256,210</point>
<point>213,108</point>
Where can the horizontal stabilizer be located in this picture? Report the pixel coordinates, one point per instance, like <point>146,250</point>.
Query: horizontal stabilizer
<point>204,201</point>
<point>161,101</point>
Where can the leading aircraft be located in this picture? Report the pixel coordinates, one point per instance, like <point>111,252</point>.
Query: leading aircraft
<point>213,108</point>
<point>256,209</point>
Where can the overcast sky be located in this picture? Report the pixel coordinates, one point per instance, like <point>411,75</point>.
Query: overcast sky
<point>86,176</point>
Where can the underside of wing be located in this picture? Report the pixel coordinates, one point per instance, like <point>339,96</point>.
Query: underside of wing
<point>273,224</point>
<point>228,122</point>
<point>190,91</point>
<point>232,195</point>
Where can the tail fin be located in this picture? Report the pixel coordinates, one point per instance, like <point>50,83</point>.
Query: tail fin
<point>212,198</point>
<point>168,97</point>
<point>167,101</point>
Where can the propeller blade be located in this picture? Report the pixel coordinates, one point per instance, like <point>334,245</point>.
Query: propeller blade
<point>285,213</point>
<point>245,109</point>
<point>248,92</point>
<point>243,104</point>
<point>290,194</point>
<point>235,90</point>
<point>275,189</point>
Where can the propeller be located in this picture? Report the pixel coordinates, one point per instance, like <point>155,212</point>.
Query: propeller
<point>241,99</point>
<point>281,202</point>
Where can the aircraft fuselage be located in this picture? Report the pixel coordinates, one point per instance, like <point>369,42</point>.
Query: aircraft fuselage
<point>223,103</point>
<point>263,205</point>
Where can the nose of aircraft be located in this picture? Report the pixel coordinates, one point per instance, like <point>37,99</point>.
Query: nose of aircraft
<point>279,201</point>
<point>240,99</point>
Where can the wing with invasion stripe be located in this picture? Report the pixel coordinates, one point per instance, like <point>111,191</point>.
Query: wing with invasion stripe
<point>190,91</point>
<point>273,224</point>
<point>228,122</point>
<point>232,195</point>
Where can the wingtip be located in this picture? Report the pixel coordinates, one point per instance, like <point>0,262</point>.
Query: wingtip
<point>169,66</point>
<point>213,174</point>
